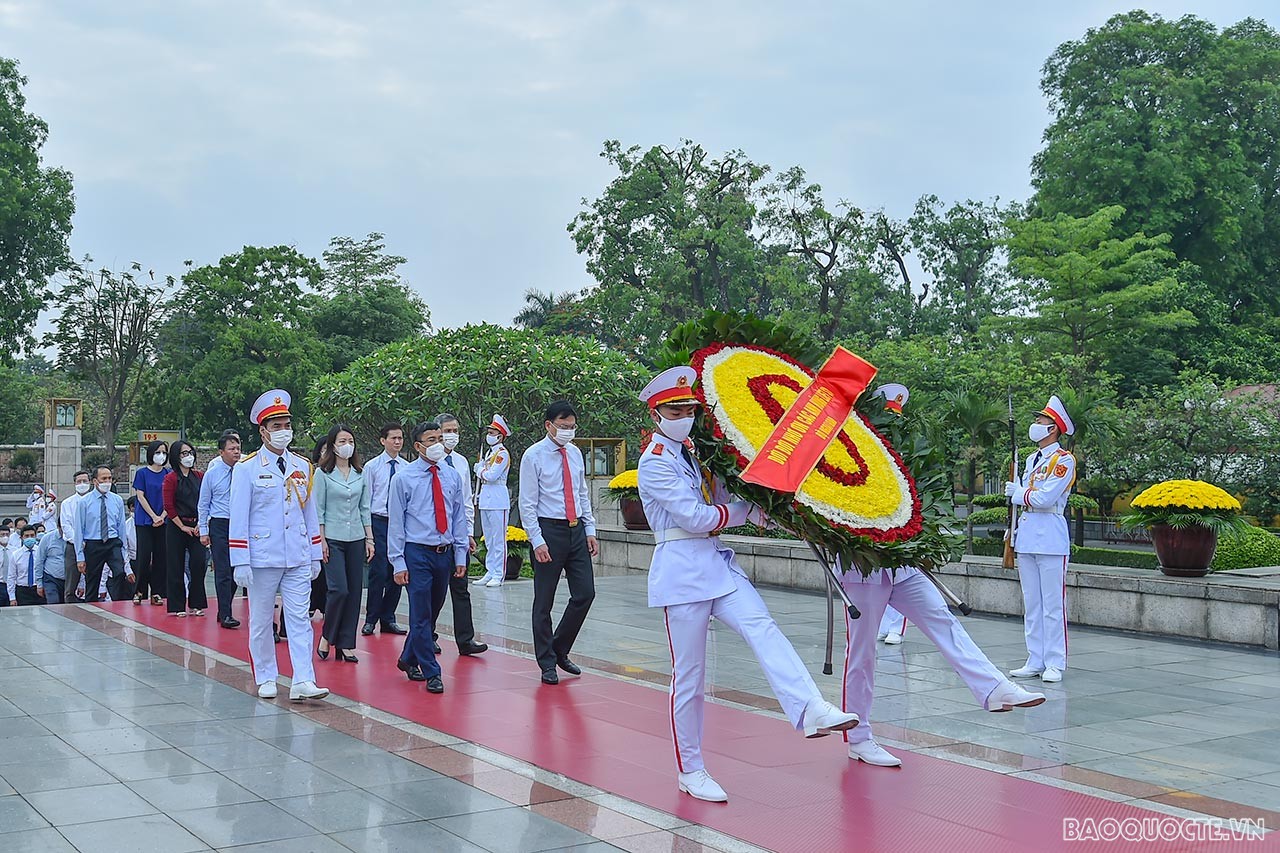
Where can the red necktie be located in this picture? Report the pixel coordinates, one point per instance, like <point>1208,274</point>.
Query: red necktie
<point>437,498</point>
<point>570,508</point>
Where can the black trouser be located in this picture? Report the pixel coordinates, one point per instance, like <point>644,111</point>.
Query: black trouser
<point>568,547</point>
<point>464,627</point>
<point>151,561</point>
<point>319,592</point>
<point>224,583</point>
<point>99,553</point>
<point>343,574</point>
<point>180,544</point>
<point>71,578</point>
<point>384,592</point>
<point>26,595</point>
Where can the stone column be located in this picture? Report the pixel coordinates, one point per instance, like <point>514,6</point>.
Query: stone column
<point>62,444</point>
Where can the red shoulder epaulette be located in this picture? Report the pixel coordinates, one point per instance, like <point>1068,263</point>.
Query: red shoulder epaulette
<point>657,449</point>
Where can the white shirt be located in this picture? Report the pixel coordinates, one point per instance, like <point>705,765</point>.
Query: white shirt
<point>542,488</point>
<point>378,473</point>
<point>459,463</point>
<point>68,515</point>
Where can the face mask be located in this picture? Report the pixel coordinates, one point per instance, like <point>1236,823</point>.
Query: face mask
<point>344,451</point>
<point>564,436</point>
<point>4,538</point>
<point>188,461</point>
<point>104,487</point>
<point>1039,432</point>
<point>83,488</point>
<point>493,440</point>
<point>435,452</point>
<point>450,440</point>
<point>29,542</point>
<point>160,458</point>
<point>676,430</point>
<point>280,439</point>
<point>40,536</point>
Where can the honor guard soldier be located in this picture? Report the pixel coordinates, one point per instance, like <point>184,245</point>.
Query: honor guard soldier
<point>274,540</point>
<point>912,596</point>
<point>694,577</point>
<point>494,501</point>
<point>1042,543</point>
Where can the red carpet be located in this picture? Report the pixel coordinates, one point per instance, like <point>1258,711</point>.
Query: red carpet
<point>786,793</point>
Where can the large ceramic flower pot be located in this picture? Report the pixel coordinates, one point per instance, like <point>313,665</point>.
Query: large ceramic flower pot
<point>633,517</point>
<point>1186,552</point>
<point>514,562</point>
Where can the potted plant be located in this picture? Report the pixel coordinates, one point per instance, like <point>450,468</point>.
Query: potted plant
<point>1185,518</point>
<point>625,489</point>
<point>517,542</point>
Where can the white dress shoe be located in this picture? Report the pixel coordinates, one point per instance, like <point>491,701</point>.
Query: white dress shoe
<point>822,718</point>
<point>893,638</point>
<point>306,690</point>
<point>701,786</point>
<point>873,753</point>
<point>1008,696</point>
<point>1026,672</point>
<point>267,690</point>
<point>495,582</point>
<point>481,581</point>
<point>1052,675</point>
<point>881,636</point>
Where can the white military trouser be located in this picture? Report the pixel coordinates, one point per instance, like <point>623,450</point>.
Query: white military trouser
<point>744,612</point>
<point>1044,603</point>
<point>493,524</point>
<point>294,587</point>
<point>892,622</point>
<point>919,600</point>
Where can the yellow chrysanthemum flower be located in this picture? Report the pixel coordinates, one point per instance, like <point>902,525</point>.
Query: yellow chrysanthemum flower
<point>1191,494</point>
<point>626,480</point>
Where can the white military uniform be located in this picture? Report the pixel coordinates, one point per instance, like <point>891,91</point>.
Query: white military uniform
<point>1043,546</point>
<point>494,503</point>
<point>892,622</point>
<point>273,530</point>
<point>693,577</point>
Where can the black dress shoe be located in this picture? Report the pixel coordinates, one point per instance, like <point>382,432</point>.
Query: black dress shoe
<point>412,670</point>
<point>345,657</point>
<point>229,622</point>
<point>568,666</point>
<point>323,655</point>
<point>436,647</point>
<point>367,630</point>
<point>549,677</point>
<point>275,634</point>
<point>435,684</point>
<point>392,628</point>
<point>473,648</point>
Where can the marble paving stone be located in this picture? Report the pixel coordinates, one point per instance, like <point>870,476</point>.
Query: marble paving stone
<point>405,838</point>
<point>172,793</point>
<point>18,815</point>
<point>241,823</point>
<point>512,830</point>
<point>153,833</point>
<point>67,806</point>
<point>338,811</point>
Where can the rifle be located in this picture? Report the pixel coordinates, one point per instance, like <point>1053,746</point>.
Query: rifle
<point>1008,562</point>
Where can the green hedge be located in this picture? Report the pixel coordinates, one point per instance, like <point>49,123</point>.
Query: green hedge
<point>999,500</point>
<point>1257,547</point>
<point>1114,557</point>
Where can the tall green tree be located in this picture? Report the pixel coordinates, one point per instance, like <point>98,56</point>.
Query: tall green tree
<point>36,205</point>
<point>105,334</point>
<point>979,420</point>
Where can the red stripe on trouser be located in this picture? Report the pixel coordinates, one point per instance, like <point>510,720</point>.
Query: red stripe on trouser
<point>675,738</point>
<point>904,625</point>
<point>848,652</point>
<point>504,546</point>
<point>1064,609</point>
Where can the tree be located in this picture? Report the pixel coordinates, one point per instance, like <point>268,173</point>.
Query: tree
<point>478,370</point>
<point>1181,123</point>
<point>567,313</point>
<point>19,406</point>
<point>1092,290</point>
<point>979,420</point>
<point>36,205</point>
<point>363,303</point>
<point>1093,414</point>
<point>105,334</point>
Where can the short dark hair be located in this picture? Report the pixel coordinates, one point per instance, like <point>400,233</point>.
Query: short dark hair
<point>445,417</point>
<point>560,409</point>
<point>131,502</point>
<point>151,453</point>
<point>6,522</point>
<point>19,520</point>
<point>388,427</point>
<point>106,468</point>
<point>227,436</point>
<point>38,526</point>
<point>425,426</point>
<point>78,473</point>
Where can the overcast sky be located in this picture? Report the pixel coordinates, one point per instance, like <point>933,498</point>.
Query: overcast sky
<point>468,132</point>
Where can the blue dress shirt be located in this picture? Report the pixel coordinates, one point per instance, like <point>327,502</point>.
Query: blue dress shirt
<point>89,525</point>
<point>215,494</point>
<point>51,556</point>
<point>411,513</point>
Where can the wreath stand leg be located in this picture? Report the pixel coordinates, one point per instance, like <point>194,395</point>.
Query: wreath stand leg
<point>833,587</point>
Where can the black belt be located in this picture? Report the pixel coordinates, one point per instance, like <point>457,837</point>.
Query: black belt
<point>559,522</point>
<point>439,549</point>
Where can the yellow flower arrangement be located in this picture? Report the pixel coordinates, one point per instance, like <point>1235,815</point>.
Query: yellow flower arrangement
<point>629,479</point>
<point>1187,494</point>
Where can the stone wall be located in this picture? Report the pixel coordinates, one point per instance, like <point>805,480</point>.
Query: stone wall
<point>1232,607</point>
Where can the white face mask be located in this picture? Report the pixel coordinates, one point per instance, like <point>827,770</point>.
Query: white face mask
<point>83,488</point>
<point>564,436</point>
<point>104,487</point>
<point>188,460</point>
<point>450,440</point>
<point>160,458</point>
<point>344,451</point>
<point>4,538</point>
<point>676,430</point>
<point>435,452</point>
<point>1039,432</point>
<point>493,440</point>
<point>280,439</point>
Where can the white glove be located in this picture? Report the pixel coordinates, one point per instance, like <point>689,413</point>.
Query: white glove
<point>315,569</point>
<point>757,516</point>
<point>478,467</point>
<point>243,575</point>
<point>1010,488</point>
